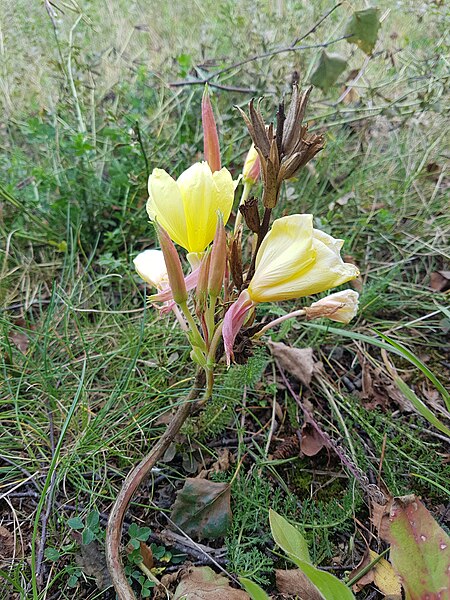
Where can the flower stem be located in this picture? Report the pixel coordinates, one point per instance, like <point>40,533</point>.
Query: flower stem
<point>130,485</point>
<point>245,195</point>
<point>275,322</point>
<point>196,335</point>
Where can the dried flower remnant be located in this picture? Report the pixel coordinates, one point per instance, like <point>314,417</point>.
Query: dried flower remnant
<point>284,151</point>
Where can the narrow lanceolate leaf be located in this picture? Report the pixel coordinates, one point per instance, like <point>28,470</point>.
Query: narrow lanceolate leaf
<point>363,28</point>
<point>328,70</point>
<point>294,544</point>
<point>420,549</point>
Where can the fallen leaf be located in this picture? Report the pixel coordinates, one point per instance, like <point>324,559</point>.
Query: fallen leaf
<point>18,337</point>
<point>440,281</point>
<point>202,508</point>
<point>92,562</point>
<point>420,548</point>
<point>381,574</point>
<point>147,555</point>
<point>311,442</point>
<point>365,579</point>
<point>7,546</point>
<point>299,362</point>
<point>294,582</point>
<point>202,583</point>
<point>223,461</point>
<point>385,578</point>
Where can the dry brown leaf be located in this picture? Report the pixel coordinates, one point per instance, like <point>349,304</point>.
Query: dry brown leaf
<point>440,281</point>
<point>147,555</point>
<point>294,582</point>
<point>92,561</point>
<point>385,578</point>
<point>7,546</point>
<point>382,575</point>
<point>311,442</point>
<point>202,583</point>
<point>298,362</point>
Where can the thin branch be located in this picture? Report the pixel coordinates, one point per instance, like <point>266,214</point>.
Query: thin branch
<point>236,65</point>
<point>130,485</point>
<point>219,86</point>
<point>316,26</point>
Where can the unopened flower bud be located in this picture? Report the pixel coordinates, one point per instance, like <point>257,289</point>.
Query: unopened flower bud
<point>340,307</point>
<point>173,264</point>
<point>218,259</point>
<point>201,291</point>
<point>210,136</point>
<point>252,166</point>
<point>150,265</point>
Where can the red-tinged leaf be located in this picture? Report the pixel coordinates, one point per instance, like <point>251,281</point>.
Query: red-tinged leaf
<point>420,549</point>
<point>202,509</point>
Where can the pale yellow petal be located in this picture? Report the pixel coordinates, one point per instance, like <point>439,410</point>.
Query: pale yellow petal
<point>196,185</point>
<point>286,251</point>
<point>165,204</point>
<point>296,260</point>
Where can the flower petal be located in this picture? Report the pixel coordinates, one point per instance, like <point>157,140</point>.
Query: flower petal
<point>233,321</point>
<point>151,267</point>
<point>286,251</point>
<point>195,185</point>
<point>165,204</point>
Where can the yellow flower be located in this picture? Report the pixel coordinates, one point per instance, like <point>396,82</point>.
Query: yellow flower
<point>187,208</point>
<point>295,260</point>
<point>252,166</point>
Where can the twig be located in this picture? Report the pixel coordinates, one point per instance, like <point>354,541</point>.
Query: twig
<point>130,485</point>
<point>319,22</point>
<point>254,58</point>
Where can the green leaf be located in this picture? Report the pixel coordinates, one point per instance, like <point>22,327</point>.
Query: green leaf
<point>202,508</point>
<point>143,533</point>
<point>288,537</point>
<point>328,585</point>
<point>52,554</point>
<point>135,543</point>
<point>75,523</point>
<point>294,544</point>
<point>420,406</point>
<point>93,519</point>
<point>420,549</point>
<point>363,29</point>
<point>88,536</point>
<point>253,589</point>
<point>413,359</point>
<point>328,70</point>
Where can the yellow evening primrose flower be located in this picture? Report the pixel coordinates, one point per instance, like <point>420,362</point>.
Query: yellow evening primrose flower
<point>187,208</point>
<point>296,260</point>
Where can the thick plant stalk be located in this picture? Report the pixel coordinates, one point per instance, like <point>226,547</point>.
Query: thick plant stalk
<point>130,485</point>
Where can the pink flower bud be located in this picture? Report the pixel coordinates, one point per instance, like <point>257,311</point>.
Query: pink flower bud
<point>218,259</point>
<point>210,137</point>
<point>173,264</point>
